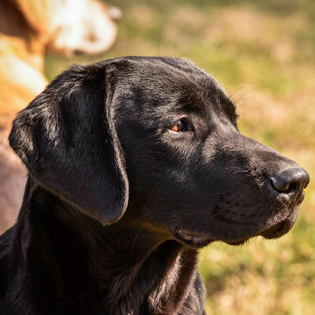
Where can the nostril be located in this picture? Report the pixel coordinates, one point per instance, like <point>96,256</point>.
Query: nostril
<point>290,181</point>
<point>292,188</point>
<point>281,185</point>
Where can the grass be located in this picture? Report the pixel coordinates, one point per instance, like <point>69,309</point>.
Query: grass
<point>263,54</point>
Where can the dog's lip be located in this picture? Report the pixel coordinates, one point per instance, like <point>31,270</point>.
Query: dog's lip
<point>277,230</point>
<point>192,239</point>
<point>198,240</point>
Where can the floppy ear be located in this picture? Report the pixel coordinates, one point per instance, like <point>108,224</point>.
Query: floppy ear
<point>67,140</point>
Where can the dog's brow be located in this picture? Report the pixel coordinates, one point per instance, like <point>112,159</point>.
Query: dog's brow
<point>191,100</point>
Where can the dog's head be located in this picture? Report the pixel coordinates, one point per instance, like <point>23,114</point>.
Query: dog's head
<point>167,130</point>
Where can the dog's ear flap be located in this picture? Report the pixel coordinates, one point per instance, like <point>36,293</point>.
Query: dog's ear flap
<point>67,139</point>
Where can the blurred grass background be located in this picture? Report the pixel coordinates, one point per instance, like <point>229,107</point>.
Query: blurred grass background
<point>262,52</point>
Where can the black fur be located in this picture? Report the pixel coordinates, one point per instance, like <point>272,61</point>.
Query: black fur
<point>84,242</point>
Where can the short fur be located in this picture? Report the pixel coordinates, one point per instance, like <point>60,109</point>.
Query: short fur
<point>117,204</point>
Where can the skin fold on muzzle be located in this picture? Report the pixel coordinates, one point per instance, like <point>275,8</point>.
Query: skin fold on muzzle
<point>134,164</point>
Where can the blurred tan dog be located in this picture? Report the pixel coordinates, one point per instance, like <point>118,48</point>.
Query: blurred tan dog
<point>27,29</point>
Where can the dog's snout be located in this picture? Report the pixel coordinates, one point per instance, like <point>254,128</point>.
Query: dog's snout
<point>291,181</point>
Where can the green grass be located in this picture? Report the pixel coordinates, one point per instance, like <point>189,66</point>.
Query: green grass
<point>263,54</point>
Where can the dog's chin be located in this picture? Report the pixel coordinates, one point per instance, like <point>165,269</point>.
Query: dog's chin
<point>278,229</point>
<point>274,231</point>
<point>192,239</point>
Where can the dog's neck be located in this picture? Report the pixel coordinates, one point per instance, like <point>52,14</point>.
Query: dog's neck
<point>125,269</point>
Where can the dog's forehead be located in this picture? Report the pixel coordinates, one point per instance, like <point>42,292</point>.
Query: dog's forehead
<point>165,71</point>
<point>164,79</point>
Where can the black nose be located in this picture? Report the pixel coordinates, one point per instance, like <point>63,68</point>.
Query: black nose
<point>290,181</point>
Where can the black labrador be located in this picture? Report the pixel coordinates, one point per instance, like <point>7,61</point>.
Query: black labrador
<point>134,164</point>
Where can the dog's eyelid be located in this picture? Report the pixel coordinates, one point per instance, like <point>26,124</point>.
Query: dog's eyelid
<point>181,125</point>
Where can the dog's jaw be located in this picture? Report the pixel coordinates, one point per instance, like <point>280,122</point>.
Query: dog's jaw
<point>275,227</point>
<point>192,239</point>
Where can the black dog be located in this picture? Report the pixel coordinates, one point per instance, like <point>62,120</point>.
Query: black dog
<point>134,164</point>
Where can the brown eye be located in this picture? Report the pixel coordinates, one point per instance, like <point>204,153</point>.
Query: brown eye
<point>179,126</point>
